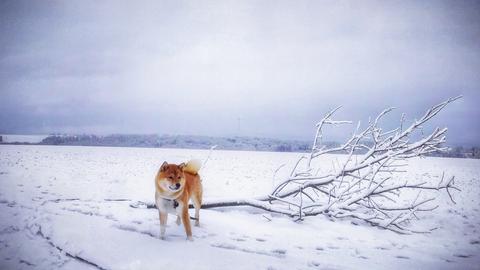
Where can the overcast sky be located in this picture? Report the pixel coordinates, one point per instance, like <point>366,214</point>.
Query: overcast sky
<point>223,68</point>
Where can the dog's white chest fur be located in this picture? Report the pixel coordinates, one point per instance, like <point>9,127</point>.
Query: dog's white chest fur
<point>169,206</point>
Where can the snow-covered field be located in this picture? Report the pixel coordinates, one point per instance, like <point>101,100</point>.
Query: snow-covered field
<point>69,208</point>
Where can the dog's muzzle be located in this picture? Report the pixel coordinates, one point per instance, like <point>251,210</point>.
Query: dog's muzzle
<point>174,187</point>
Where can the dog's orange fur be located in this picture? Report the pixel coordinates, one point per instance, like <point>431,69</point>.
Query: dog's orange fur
<point>190,188</point>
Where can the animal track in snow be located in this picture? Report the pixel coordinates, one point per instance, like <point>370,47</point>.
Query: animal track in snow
<point>402,257</point>
<point>463,255</point>
<point>275,253</point>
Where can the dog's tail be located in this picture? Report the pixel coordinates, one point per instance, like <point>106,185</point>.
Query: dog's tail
<point>193,166</point>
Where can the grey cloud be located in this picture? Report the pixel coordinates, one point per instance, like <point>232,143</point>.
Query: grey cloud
<point>269,68</point>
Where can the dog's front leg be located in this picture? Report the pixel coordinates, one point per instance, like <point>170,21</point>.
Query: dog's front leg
<point>163,223</point>
<point>186,222</point>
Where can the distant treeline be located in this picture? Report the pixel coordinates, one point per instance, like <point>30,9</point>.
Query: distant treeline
<point>181,141</point>
<point>205,142</point>
<point>459,152</point>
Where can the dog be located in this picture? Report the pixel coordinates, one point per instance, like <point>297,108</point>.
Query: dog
<point>175,185</point>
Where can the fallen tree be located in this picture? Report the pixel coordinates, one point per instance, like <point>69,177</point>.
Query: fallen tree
<point>364,186</point>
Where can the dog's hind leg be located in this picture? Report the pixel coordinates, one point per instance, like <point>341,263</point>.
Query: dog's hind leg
<point>197,203</point>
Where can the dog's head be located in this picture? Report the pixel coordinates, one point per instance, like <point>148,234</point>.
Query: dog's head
<point>172,177</point>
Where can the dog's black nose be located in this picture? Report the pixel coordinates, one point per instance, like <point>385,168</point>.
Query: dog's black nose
<point>177,185</point>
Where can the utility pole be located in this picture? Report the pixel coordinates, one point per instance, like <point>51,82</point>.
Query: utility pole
<point>238,126</point>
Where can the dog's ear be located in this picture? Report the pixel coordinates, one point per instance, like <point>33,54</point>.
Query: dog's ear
<point>182,166</point>
<point>164,166</point>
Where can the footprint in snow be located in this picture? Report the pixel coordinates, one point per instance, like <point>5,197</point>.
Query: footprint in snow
<point>402,257</point>
<point>463,255</point>
<point>474,242</point>
<point>239,239</point>
<point>26,262</point>
<point>279,251</point>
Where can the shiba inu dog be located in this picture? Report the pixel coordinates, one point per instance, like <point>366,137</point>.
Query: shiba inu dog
<point>175,185</point>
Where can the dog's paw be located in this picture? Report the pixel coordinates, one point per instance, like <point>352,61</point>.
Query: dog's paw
<point>190,238</point>
<point>197,223</point>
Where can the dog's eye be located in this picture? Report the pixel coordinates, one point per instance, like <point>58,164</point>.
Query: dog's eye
<point>178,178</point>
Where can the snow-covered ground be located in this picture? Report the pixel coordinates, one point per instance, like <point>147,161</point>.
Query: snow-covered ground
<point>69,208</point>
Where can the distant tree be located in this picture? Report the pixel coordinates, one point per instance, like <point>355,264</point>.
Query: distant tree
<point>283,148</point>
<point>475,152</point>
<point>459,152</point>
